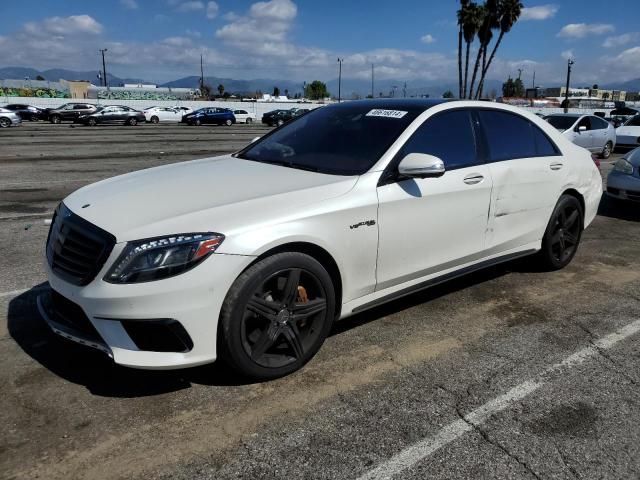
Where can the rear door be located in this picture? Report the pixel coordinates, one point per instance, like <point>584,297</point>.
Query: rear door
<point>528,174</point>
<point>599,128</point>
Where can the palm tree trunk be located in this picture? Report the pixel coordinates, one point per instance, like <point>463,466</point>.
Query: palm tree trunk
<point>466,72</point>
<point>460,62</point>
<point>481,82</point>
<point>475,69</point>
<point>493,54</point>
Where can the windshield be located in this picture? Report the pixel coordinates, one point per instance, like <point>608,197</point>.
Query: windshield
<point>561,122</point>
<point>345,139</point>
<point>633,122</point>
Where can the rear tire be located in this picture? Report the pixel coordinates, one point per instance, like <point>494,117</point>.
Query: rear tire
<point>249,120</point>
<point>132,121</point>
<point>197,123</point>
<point>280,122</point>
<point>5,122</point>
<point>606,151</point>
<point>154,119</point>
<point>228,123</point>
<point>276,316</point>
<point>563,233</point>
<point>92,122</point>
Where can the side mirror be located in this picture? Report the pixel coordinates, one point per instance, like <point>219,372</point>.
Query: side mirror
<point>421,165</point>
<point>582,128</point>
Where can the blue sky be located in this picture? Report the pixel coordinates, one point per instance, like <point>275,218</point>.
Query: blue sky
<point>412,40</point>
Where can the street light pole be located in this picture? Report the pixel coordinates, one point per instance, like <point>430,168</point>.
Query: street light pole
<point>340,60</point>
<point>372,96</point>
<point>104,67</point>
<point>566,91</point>
<point>201,76</point>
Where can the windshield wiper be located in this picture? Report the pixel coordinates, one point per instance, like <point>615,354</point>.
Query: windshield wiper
<point>284,163</point>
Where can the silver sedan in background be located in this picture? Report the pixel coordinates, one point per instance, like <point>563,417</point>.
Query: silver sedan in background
<point>9,118</point>
<point>624,180</point>
<point>588,131</point>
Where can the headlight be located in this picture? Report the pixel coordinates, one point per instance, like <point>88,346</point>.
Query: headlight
<point>162,257</point>
<point>623,166</point>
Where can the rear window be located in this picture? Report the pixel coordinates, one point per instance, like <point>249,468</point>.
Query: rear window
<point>509,136</point>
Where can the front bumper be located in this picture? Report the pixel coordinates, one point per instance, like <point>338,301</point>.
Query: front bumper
<point>623,186</point>
<point>192,299</point>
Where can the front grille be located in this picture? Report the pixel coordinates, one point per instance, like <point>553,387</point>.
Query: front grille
<point>76,249</point>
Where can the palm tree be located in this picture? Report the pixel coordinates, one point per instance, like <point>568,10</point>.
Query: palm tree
<point>463,5</point>
<point>471,22</point>
<point>220,89</point>
<point>490,21</point>
<point>508,13</point>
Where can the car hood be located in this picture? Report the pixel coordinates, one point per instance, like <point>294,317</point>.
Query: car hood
<point>221,194</point>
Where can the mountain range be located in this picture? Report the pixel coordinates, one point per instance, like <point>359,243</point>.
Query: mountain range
<point>349,87</point>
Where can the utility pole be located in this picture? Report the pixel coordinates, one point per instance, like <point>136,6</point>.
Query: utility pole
<point>566,91</point>
<point>533,84</point>
<point>104,67</point>
<point>340,60</point>
<point>404,90</point>
<point>201,76</point>
<point>372,81</point>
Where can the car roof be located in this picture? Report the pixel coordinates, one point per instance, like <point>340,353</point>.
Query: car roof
<point>409,104</point>
<point>569,115</point>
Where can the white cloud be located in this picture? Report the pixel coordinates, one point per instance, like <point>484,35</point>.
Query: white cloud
<point>625,64</point>
<point>581,30</point>
<point>129,4</point>
<point>193,33</point>
<point>231,16</point>
<point>428,38</point>
<point>540,12</point>
<point>188,6</point>
<point>75,24</point>
<point>619,40</point>
<point>567,54</point>
<point>212,10</point>
<point>263,30</point>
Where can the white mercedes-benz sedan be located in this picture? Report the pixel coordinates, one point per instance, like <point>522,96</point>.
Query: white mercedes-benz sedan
<point>251,257</point>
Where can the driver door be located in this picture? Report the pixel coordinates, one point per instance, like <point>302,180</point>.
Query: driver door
<point>428,225</point>
<point>584,138</point>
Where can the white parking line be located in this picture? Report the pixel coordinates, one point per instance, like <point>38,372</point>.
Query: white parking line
<point>455,430</point>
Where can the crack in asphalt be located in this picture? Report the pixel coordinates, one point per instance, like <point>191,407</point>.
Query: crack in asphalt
<point>617,368</point>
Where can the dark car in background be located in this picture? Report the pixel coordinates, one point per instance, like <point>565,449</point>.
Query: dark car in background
<point>27,112</point>
<point>112,114</point>
<point>275,118</point>
<point>210,116</point>
<point>69,112</point>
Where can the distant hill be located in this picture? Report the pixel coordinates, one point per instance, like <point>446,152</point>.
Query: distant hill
<point>629,86</point>
<point>242,87</point>
<point>55,74</point>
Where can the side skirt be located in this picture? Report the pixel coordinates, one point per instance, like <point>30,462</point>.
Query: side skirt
<point>443,278</point>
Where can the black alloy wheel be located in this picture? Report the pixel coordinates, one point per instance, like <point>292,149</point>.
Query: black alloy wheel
<point>277,315</point>
<point>606,151</point>
<point>154,119</point>
<point>92,122</point>
<point>132,121</point>
<point>562,237</point>
<point>56,119</point>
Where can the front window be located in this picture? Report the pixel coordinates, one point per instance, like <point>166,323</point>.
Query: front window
<point>561,122</point>
<point>346,139</point>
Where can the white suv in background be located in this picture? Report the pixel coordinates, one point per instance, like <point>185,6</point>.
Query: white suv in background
<point>251,257</point>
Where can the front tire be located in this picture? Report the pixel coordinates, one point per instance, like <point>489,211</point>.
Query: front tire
<point>606,151</point>
<point>154,119</point>
<point>56,119</point>
<point>276,316</point>
<point>248,120</point>
<point>132,121</point>
<point>92,122</point>
<point>5,122</point>
<point>563,233</point>
<point>280,122</point>
<point>228,123</point>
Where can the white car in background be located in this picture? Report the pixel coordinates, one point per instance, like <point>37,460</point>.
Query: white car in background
<point>588,131</point>
<point>250,257</point>
<point>628,134</point>
<point>163,114</point>
<point>242,116</point>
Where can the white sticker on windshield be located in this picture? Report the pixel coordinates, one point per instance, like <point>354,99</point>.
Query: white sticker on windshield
<point>378,112</point>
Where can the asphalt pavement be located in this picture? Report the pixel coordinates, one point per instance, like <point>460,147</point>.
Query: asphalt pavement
<point>508,373</point>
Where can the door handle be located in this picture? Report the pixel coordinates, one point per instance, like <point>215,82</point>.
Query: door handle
<point>473,179</point>
<point>556,166</point>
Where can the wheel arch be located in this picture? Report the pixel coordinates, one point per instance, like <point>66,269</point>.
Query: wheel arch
<point>316,252</point>
<point>576,194</point>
